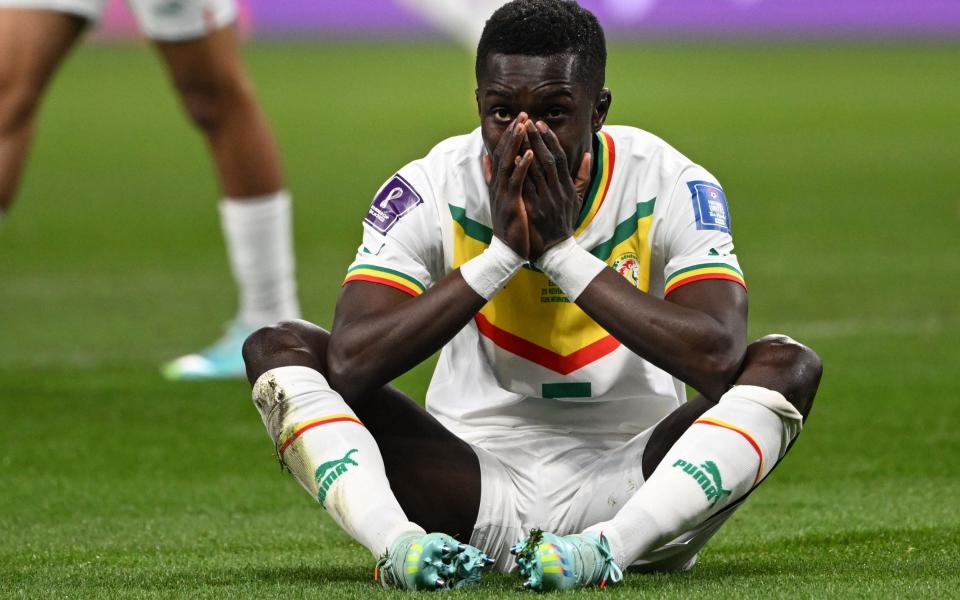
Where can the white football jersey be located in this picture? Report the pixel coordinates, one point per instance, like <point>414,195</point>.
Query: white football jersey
<point>531,358</point>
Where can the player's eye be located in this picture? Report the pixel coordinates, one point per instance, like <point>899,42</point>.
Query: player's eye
<point>556,112</point>
<point>501,114</point>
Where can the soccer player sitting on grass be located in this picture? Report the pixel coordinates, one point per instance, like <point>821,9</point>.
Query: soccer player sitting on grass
<point>576,276</point>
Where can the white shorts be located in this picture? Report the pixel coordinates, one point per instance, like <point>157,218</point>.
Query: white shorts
<point>563,484</point>
<point>163,20</point>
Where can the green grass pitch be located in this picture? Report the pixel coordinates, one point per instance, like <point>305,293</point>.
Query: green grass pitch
<point>841,165</point>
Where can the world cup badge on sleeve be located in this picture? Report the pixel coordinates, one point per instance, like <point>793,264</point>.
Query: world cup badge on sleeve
<point>395,199</point>
<point>709,206</point>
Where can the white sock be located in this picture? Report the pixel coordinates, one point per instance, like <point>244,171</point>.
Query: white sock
<point>260,248</point>
<point>333,456</point>
<point>726,452</point>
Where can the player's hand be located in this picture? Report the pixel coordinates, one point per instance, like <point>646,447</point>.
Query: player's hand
<point>504,172</point>
<point>550,193</point>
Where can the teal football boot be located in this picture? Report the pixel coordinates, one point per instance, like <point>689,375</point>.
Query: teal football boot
<point>430,561</point>
<point>222,360</point>
<point>549,562</point>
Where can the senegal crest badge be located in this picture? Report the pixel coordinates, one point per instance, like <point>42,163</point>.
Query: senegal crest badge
<point>628,265</point>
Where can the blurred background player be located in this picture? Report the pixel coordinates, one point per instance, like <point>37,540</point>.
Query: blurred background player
<point>462,21</point>
<point>197,40</point>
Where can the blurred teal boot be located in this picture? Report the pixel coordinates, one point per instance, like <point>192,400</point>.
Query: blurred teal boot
<point>221,360</point>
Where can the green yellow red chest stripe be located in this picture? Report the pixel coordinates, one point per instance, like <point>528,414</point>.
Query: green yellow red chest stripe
<point>531,317</point>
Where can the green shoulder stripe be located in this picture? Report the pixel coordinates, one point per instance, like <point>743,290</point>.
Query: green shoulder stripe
<point>473,229</point>
<point>624,230</point>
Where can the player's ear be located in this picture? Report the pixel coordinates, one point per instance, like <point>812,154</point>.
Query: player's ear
<point>476,95</point>
<point>601,109</point>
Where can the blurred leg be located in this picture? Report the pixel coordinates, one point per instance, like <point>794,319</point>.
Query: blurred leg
<point>32,45</point>
<point>218,97</point>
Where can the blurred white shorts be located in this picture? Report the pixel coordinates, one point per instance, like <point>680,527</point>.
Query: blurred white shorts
<point>162,20</point>
<point>564,484</point>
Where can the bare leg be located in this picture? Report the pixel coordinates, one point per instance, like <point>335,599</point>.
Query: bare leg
<point>256,216</point>
<point>218,97</point>
<point>33,43</point>
<point>434,474</point>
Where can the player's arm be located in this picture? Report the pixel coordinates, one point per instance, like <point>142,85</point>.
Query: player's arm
<point>698,334</point>
<point>380,332</point>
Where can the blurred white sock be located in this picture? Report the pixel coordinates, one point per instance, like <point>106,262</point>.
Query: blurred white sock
<point>462,20</point>
<point>333,456</point>
<point>260,247</point>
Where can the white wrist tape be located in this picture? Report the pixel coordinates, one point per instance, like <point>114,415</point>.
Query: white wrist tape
<point>489,272</point>
<point>570,267</point>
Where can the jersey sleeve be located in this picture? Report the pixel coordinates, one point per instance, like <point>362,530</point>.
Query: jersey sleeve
<point>402,246</point>
<point>697,235</point>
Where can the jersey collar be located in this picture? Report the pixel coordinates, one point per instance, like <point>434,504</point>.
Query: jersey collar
<point>604,155</point>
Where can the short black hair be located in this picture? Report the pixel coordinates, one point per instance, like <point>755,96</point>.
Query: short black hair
<point>546,28</point>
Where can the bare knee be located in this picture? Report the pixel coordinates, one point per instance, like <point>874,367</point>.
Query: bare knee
<point>208,100</point>
<point>785,352</point>
<point>18,102</point>
<point>268,341</point>
<point>286,344</point>
<point>780,363</point>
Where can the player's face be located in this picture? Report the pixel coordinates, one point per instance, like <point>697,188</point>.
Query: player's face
<point>546,88</point>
